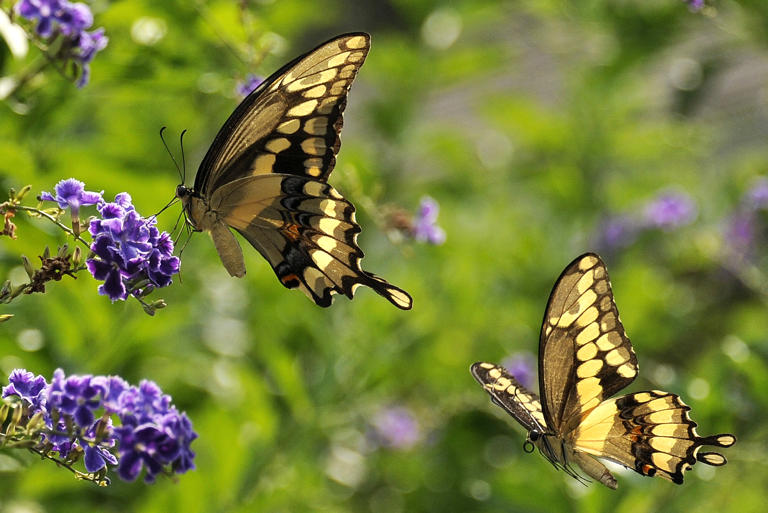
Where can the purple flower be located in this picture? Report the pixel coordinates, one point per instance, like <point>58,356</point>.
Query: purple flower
<point>113,388</point>
<point>78,411</point>
<point>522,366</point>
<point>87,44</point>
<point>248,85</point>
<point>74,18</point>
<point>425,227</point>
<point>75,396</point>
<point>71,194</point>
<point>670,210</point>
<point>45,12</point>
<point>129,249</point>
<point>27,386</point>
<point>396,427</point>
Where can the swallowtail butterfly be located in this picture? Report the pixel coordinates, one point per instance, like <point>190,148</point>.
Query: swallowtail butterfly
<point>584,358</point>
<point>265,175</point>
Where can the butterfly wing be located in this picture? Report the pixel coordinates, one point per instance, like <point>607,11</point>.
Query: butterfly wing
<point>291,123</point>
<point>584,354</point>
<point>288,129</point>
<point>510,395</point>
<point>649,432</point>
<point>306,231</point>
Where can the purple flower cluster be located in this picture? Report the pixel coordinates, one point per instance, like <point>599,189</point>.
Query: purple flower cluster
<point>667,211</point>
<point>425,228</point>
<point>248,85</point>
<point>71,20</point>
<point>78,412</point>
<point>129,250</point>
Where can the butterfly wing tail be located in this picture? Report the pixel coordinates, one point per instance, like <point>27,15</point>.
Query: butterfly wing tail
<point>394,295</point>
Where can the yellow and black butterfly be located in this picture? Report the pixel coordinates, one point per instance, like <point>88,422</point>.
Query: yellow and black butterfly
<point>266,174</point>
<point>584,358</point>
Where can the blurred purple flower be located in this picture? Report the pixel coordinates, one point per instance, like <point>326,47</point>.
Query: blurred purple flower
<point>87,45</point>
<point>71,20</point>
<point>758,195</point>
<point>670,210</point>
<point>425,228</point>
<point>740,231</point>
<point>396,427</point>
<point>71,193</point>
<point>152,434</point>
<point>129,249</point>
<point>617,232</point>
<point>248,85</point>
<point>522,366</point>
<point>45,12</point>
<point>695,5</point>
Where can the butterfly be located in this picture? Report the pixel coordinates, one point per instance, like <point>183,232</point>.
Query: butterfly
<point>584,358</point>
<point>265,175</point>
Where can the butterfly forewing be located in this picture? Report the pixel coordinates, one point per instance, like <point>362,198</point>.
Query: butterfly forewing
<point>291,123</point>
<point>508,393</point>
<point>584,354</point>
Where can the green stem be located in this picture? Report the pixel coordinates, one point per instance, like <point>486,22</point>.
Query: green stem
<point>54,221</point>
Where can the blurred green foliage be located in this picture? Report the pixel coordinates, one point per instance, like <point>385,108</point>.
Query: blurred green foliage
<point>531,123</point>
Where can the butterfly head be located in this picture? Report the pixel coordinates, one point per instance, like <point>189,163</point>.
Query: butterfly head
<point>182,192</point>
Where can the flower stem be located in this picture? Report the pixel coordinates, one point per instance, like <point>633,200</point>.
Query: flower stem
<point>55,221</point>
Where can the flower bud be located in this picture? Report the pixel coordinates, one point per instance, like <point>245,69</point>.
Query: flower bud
<point>28,266</point>
<point>77,256</point>
<point>23,192</point>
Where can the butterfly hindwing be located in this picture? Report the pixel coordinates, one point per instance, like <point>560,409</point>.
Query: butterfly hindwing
<point>649,432</point>
<point>306,231</point>
<point>509,394</point>
<point>584,354</point>
<point>291,123</point>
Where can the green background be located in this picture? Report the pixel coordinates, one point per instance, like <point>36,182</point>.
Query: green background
<point>531,123</point>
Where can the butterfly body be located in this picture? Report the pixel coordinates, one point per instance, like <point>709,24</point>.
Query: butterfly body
<point>266,173</point>
<point>584,358</point>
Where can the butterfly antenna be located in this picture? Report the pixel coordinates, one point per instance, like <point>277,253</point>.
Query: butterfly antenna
<point>175,163</point>
<point>183,160</point>
<point>174,200</point>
